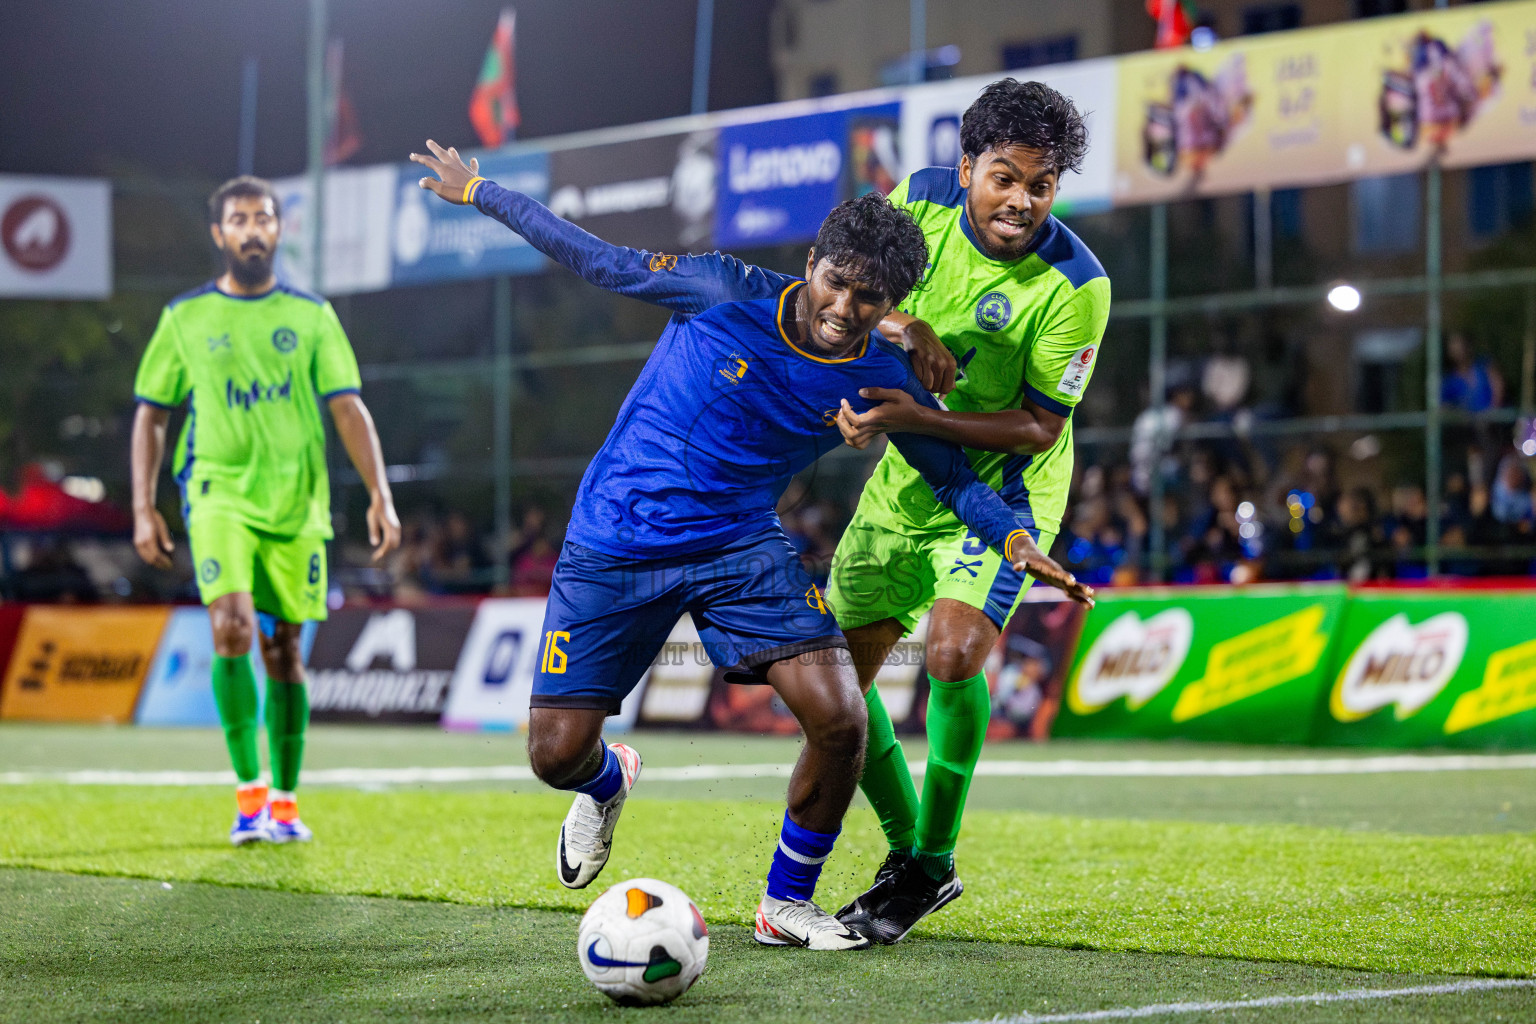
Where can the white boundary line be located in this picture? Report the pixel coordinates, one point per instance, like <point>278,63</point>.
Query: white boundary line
<point>1353,995</point>
<point>1229,768</point>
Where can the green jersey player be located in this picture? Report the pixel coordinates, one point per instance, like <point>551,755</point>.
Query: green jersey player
<point>253,359</point>
<point>1019,303</point>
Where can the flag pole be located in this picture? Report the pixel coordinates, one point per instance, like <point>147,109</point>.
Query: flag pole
<point>315,218</point>
<point>246,161</point>
<point>703,41</point>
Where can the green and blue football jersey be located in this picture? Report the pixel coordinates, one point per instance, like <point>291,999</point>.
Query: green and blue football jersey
<point>255,370</point>
<point>1024,328</point>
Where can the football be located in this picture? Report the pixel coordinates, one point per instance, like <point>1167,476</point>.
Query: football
<point>643,943</point>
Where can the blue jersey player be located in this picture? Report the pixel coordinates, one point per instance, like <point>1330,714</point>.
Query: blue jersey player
<point>676,514</point>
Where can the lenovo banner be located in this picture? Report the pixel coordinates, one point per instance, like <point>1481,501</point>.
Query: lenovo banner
<point>1203,663</point>
<point>1453,669</point>
<point>656,193</point>
<point>779,179</point>
<point>390,665</point>
<point>55,237</point>
<point>80,664</point>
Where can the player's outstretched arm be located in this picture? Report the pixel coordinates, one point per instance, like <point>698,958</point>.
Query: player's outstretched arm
<point>361,440</point>
<point>151,539</point>
<point>684,284</point>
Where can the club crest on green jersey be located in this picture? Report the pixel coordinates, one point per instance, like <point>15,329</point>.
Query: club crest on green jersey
<point>993,311</point>
<point>284,340</point>
<point>209,570</point>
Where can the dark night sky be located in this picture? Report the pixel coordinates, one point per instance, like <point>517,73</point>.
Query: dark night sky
<point>95,87</point>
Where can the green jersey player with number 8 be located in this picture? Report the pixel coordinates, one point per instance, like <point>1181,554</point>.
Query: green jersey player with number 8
<point>253,359</point>
<point>1010,312</point>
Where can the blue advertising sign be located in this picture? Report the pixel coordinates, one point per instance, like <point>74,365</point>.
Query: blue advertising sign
<point>438,241</point>
<point>779,179</point>
<point>179,687</point>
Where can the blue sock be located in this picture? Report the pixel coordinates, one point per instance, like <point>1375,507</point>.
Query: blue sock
<point>798,860</point>
<point>609,779</point>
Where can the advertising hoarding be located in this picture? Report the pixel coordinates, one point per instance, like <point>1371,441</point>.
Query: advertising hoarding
<point>386,665</point>
<point>1202,663</point>
<point>653,193</point>
<point>359,208</point>
<point>55,237</point>
<point>80,664</point>
<point>780,178</point>
<point>1434,669</point>
<point>435,240</point>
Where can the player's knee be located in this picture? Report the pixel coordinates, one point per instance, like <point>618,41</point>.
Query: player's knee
<point>842,722</point>
<point>283,657</point>
<point>953,658</point>
<point>554,759</point>
<point>232,633</point>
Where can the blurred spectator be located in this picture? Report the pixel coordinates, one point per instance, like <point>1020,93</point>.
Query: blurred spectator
<point>1356,536</point>
<point>1406,529</point>
<point>459,564</point>
<point>1509,499</point>
<point>531,559</point>
<point>1470,383</point>
<point>1152,436</point>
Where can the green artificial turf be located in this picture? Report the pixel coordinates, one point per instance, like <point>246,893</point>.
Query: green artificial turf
<point>1370,900</point>
<point>86,949</point>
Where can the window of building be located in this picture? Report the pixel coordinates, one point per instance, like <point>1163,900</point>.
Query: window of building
<point>1388,214</point>
<point>1377,8</point>
<point>1035,53</point>
<point>824,84</point>
<point>1498,198</point>
<point>937,65</point>
<point>1271,18</point>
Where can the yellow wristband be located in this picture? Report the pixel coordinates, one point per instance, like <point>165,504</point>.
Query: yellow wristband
<point>1008,544</point>
<point>469,188</point>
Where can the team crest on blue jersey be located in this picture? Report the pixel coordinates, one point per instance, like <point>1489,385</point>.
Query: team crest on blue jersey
<point>209,570</point>
<point>733,368</point>
<point>661,261</point>
<point>993,311</point>
<point>284,340</point>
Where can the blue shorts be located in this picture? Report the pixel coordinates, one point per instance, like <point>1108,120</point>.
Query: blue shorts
<point>608,618</point>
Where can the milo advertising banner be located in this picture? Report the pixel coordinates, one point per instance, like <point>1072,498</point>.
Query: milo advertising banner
<point>1208,664</point>
<point>1442,669</point>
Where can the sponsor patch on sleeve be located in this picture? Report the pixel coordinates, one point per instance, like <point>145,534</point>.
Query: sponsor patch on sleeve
<point>1075,377</point>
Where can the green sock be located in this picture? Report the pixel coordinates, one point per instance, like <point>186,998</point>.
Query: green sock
<point>234,693</point>
<point>287,719</point>
<point>957,723</point>
<point>886,782</point>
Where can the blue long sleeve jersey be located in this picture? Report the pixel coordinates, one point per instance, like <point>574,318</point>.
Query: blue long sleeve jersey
<point>728,408</point>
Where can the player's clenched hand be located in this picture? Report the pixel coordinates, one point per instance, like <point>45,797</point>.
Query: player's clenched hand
<point>897,411</point>
<point>451,170</point>
<point>931,361</point>
<point>383,526</point>
<point>152,540</point>
<point>1027,557</point>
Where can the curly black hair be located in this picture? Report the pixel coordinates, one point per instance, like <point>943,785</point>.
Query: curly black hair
<point>242,187</point>
<point>1029,114</point>
<point>879,242</point>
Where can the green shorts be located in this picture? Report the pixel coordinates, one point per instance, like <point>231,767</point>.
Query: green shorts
<point>285,576</point>
<point>881,572</point>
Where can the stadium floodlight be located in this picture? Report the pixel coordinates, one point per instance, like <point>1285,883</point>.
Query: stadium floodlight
<point>1344,297</point>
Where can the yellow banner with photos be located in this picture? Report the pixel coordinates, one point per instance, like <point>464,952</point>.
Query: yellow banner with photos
<point>1382,96</point>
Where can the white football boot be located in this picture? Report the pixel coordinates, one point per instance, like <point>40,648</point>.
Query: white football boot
<point>803,923</point>
<point>586,837</point>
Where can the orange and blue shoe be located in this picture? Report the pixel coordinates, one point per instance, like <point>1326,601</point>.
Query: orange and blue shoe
<point>285,826</point>
<point>252,822</point>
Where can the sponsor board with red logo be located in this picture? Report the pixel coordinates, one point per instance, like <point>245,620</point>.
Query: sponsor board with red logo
<point>55,237</point>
